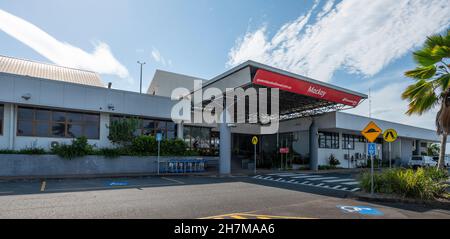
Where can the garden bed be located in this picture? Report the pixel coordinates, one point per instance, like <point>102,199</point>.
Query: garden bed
<point>442,203</point>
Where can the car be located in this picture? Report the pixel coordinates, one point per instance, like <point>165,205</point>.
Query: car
<point>422,161</point>
<point>446,161</point>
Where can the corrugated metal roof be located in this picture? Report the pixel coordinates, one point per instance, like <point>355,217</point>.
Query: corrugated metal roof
<point>17,66</point>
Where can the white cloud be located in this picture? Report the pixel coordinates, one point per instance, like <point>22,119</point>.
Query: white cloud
<point>359,36</point>
<point>388,105</point>
<point>156,55</point>
<point>62,53</point>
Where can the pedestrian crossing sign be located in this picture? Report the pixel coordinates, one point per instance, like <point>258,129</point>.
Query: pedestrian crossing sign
<point>255,140</point>
<point>390,135</point>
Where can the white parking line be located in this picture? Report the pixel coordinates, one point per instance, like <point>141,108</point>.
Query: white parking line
<point>339,180</point>
<point>308,176</point>
<point>323,178</point>
<point>320,185</point>
<point>285,174</point>
<point>351,183</point>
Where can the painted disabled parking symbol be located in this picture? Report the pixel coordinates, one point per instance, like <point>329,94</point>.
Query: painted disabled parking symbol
<point>118,184</point>
<point>363,210</point>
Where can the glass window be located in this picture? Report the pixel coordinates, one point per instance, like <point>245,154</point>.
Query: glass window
<point>57,123</point>
<point>328,140</point>
<point>74,130</point>
<point>42,129</point>
<point>92,131</point>
<point>58,129</point>
<point>1,119</point>
<point>43,115</point>
<point>348,141</point>
<point>25,114</point>
<point>25,128</point>
<point>59,116</point>
<point>197,137</point>
<point>74,117</point>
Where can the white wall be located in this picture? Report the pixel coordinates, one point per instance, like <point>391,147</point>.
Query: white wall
<point>5,137</point>
<point>22,142</point>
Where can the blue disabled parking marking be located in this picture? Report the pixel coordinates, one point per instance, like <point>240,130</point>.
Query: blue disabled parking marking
<point>118,184</point>
<point>363,210</point>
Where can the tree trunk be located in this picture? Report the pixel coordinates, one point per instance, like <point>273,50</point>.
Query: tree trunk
<point>441,161</point>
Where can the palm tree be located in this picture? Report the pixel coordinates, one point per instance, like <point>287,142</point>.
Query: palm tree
<point>432,86</point>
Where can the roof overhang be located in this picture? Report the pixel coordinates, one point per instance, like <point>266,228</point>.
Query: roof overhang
<point>299,96</point>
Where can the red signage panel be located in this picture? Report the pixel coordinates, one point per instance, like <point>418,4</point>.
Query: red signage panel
<point>284,150</point>
<point>302,87</point>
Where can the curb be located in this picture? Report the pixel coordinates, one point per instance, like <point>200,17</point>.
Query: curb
<point>94,176</point>
<point>395,199</point>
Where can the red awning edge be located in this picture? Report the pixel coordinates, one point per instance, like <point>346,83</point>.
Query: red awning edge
<point>302,87</point>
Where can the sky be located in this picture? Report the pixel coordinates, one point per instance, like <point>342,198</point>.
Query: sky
<point>355,44</point>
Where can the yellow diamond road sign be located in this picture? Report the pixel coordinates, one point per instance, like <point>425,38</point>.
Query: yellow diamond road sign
<point>390,135</point>
<point>255,140</point>
<point>371,131</point>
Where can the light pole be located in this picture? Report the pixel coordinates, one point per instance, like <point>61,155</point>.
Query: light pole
<point>140,86</point>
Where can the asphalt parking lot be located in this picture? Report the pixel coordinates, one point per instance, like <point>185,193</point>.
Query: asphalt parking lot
<point>190,197</point>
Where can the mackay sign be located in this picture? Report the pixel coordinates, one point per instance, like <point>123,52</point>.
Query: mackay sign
<point>303,87</point>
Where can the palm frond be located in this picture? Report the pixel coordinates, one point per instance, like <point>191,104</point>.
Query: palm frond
<point>422,72</point>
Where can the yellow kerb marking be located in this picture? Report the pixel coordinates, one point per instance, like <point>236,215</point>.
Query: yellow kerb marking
<point>237,217</point>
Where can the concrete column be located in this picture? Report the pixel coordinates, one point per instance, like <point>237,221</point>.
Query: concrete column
<point>417,149</point>
<point>12,123</point>
<point>180,130</point>
<point>313,146</point>
<point>225,147</point>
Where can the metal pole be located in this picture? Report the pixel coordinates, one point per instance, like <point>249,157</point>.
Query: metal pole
<point>159,142</point>
<point>140,85</point>
<point>286,156</point>
<point>371,175</point>
<point>348,155</point>
<point>255,160</point>
<point>390,160</point>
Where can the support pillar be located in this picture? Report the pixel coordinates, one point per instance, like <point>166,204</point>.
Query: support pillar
<point>313,146</point>
<point>417,149</point>
<point>225,147</point>
<point>180,130</point>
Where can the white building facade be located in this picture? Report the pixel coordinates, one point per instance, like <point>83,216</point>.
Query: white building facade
<point>43,104</point>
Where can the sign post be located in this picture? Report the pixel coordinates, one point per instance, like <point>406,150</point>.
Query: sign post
<point>371,132</point>
<point>390,135</point>
<point>254,142</point>
<point>158,138</point>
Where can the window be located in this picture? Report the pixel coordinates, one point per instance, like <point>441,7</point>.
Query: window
<point>39,122</point>
<point>423,145</point>
<point>328,140</point>
<point>197,137</point>
<point>348,141</point>
<point>1,119</point>
<point>149,126</point>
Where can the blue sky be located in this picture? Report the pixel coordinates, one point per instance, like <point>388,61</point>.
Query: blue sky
<point>353,44</point>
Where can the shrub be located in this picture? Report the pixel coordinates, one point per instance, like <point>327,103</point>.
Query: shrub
<point>422,183</point>
<point>144,145</point>
<point>32,151</point>
<point>79,148</point>
<point>173,147</point>
<point>109,152</point>
<point>333,161</point>
<point>122,131</point>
